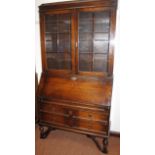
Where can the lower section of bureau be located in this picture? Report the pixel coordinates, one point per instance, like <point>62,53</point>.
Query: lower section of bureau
<point>75,123</point>
<point>93,122</point>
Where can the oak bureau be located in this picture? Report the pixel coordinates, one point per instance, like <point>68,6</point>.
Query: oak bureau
<point>77,50</point>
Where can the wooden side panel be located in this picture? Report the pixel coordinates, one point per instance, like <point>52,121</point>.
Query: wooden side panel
<point>112,45</point>
<point>42,37</point>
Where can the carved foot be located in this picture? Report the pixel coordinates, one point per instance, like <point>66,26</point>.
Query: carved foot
<point>44,133</point>
<point>95,141</point>
<point>105,144</point>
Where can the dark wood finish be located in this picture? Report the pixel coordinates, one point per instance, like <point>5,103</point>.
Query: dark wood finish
<point>36,103</point>
<point>105,143</point>
<point>95,141</point>
<point>112,36</point>
<point>44,132</point>
<point>42,33</point>
<point>77,4</point>
<point>77,111</point>
<point>82,89</point>
<point>74,93</point>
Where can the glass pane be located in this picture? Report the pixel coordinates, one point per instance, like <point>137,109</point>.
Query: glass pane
<point>101,22</point>
<point>85,46</point>
<point>64,40</point>
<point>51,23</point>
<point>85,62</point>
<point>99,62</point>
<point>85,26</point>
<point>85,36</point>
<point>58,41</point>
<point>85,22</point>
<point>101,36</point>
<point>94,33</point>
<point>59,60</point>
<point>51,42</point>
<point>100,47</point>
<point>64,24</point>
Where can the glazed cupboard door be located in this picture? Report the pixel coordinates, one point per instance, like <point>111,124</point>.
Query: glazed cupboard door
<point>58,34</point>
<point>93,40</point>
<point>78,41</point>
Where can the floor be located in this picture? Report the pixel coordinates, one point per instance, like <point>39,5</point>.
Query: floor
<point>61,142</point>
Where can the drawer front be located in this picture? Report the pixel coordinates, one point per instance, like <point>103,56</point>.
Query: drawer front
<point>52,108</point>
<point>52,118</point>
<point>92,115</point>
<point>92,126</point>
<point>80,113</point>
<point>78,118</point>
<point>71,121</point>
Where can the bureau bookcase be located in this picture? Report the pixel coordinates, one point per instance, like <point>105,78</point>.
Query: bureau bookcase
<point>77,49</point>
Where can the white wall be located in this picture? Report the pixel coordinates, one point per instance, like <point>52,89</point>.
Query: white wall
<point>115,110</point>
<point>115,113</point>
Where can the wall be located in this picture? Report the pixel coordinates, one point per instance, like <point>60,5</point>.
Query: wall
<point>115,112</point>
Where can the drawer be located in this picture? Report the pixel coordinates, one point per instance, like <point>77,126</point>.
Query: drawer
<point>73,122</point>
<point>52,118</point>
<point>76,112</point>
<point>52,108</point>
<point>92,115</point>
<point>93,126</point>
<point>58,119</point>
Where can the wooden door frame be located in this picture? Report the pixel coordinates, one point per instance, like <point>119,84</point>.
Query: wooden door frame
<point>43,47</point>
<point>111,41</point>
<point>74,40</point>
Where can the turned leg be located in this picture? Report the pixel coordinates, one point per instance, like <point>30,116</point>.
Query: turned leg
<point>44,133</point>
<point>105,144</point>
